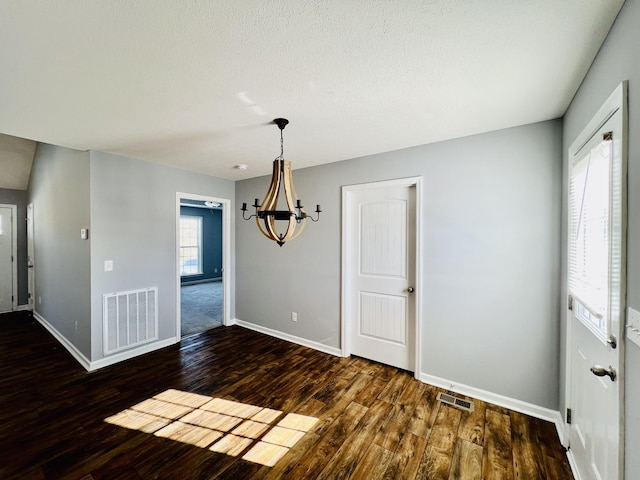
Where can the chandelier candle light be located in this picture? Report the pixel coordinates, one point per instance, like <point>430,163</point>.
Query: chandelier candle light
<point>267,213</point>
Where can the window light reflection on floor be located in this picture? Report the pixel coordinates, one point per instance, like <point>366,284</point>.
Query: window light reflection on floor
<point>222,426</point>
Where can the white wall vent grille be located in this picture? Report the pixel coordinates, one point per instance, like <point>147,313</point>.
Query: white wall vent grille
<point>130,319</point>
<point>457,402</point>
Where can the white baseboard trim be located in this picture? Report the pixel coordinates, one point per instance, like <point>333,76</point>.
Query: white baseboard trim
<point>122,356</point>
<point>565,428</point>
<point>500,400</point>
<point>197,282</point>
<point>71,348</point>
<point>103,362</point>
<point>289,338</point>
<point>22,308</point>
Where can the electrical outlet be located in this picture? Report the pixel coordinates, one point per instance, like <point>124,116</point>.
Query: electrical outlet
<point>108,265</point>
<point>294,317</point>
<point>39,300</point>
<point>76,325</point>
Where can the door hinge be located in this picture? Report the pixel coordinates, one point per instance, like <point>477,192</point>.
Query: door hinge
<point>568,415</point>
<point>570,302</point>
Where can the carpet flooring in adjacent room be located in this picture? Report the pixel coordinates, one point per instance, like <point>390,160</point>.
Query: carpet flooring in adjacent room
<point>200,307</point>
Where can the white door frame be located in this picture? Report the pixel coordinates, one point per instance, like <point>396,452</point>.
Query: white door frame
<point>14,254</point>
<point>616,101</point>
<point>31,274</point>
<point>226,255</point>
<point>347,261</point>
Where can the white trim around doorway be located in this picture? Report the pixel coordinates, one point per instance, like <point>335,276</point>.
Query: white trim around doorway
<point>226,254</point>
<point>14,254</point>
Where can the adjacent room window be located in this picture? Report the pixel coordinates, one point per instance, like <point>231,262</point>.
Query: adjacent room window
<point>190,245</point>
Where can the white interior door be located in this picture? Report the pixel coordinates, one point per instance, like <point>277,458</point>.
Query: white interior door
<point>6,263</point>
<point>381,306</point>
<point>596,301</point>
<point>30,256</point>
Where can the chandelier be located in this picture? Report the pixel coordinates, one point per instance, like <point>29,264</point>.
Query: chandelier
<point>267,214</point>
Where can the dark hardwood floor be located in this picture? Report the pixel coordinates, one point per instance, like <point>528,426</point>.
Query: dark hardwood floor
<point>277,409</point>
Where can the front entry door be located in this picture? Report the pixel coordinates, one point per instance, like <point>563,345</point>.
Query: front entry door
<point>596,300</point>
<point>381,307</point>
<point>6,264</point>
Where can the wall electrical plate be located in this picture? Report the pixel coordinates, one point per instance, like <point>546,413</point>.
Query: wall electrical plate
<point>633,326</point>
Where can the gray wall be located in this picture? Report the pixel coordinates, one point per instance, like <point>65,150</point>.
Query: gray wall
<point>59,190</point>
<point>133,213</point>
<point>491,221</point>
<point>617,60</point>
<point>19,198</point>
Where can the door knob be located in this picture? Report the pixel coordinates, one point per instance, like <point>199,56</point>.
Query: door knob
<point>600,371</point>
<point>410,289</point>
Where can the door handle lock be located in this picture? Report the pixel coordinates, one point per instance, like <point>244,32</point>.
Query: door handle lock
<point>411,289</point>
<point>600,371</point>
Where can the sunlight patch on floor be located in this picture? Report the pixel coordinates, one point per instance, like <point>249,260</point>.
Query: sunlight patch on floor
<point>222,426</point>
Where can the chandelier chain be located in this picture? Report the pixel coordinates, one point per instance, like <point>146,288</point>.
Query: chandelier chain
<point>281,157</point>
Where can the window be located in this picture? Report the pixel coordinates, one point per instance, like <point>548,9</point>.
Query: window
<point>190,245</point>
<point>590,237</point>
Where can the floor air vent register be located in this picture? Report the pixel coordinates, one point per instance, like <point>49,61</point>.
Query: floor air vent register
<point>460,403</point>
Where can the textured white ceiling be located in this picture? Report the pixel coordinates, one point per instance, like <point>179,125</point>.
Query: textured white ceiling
<point>196,83</point>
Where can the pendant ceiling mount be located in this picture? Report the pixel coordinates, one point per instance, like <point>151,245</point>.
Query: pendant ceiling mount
<point>281,122</point>
<point>282,193</point>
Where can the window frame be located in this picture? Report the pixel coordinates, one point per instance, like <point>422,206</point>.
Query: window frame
<point>200,220</point>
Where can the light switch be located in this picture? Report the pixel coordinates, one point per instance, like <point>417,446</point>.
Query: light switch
<point>108,265</point>
<point>633,325</point>
<point>84,233</point>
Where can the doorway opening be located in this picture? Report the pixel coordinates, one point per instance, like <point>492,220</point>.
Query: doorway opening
<point>8,253</point>
<point>202,230</point>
